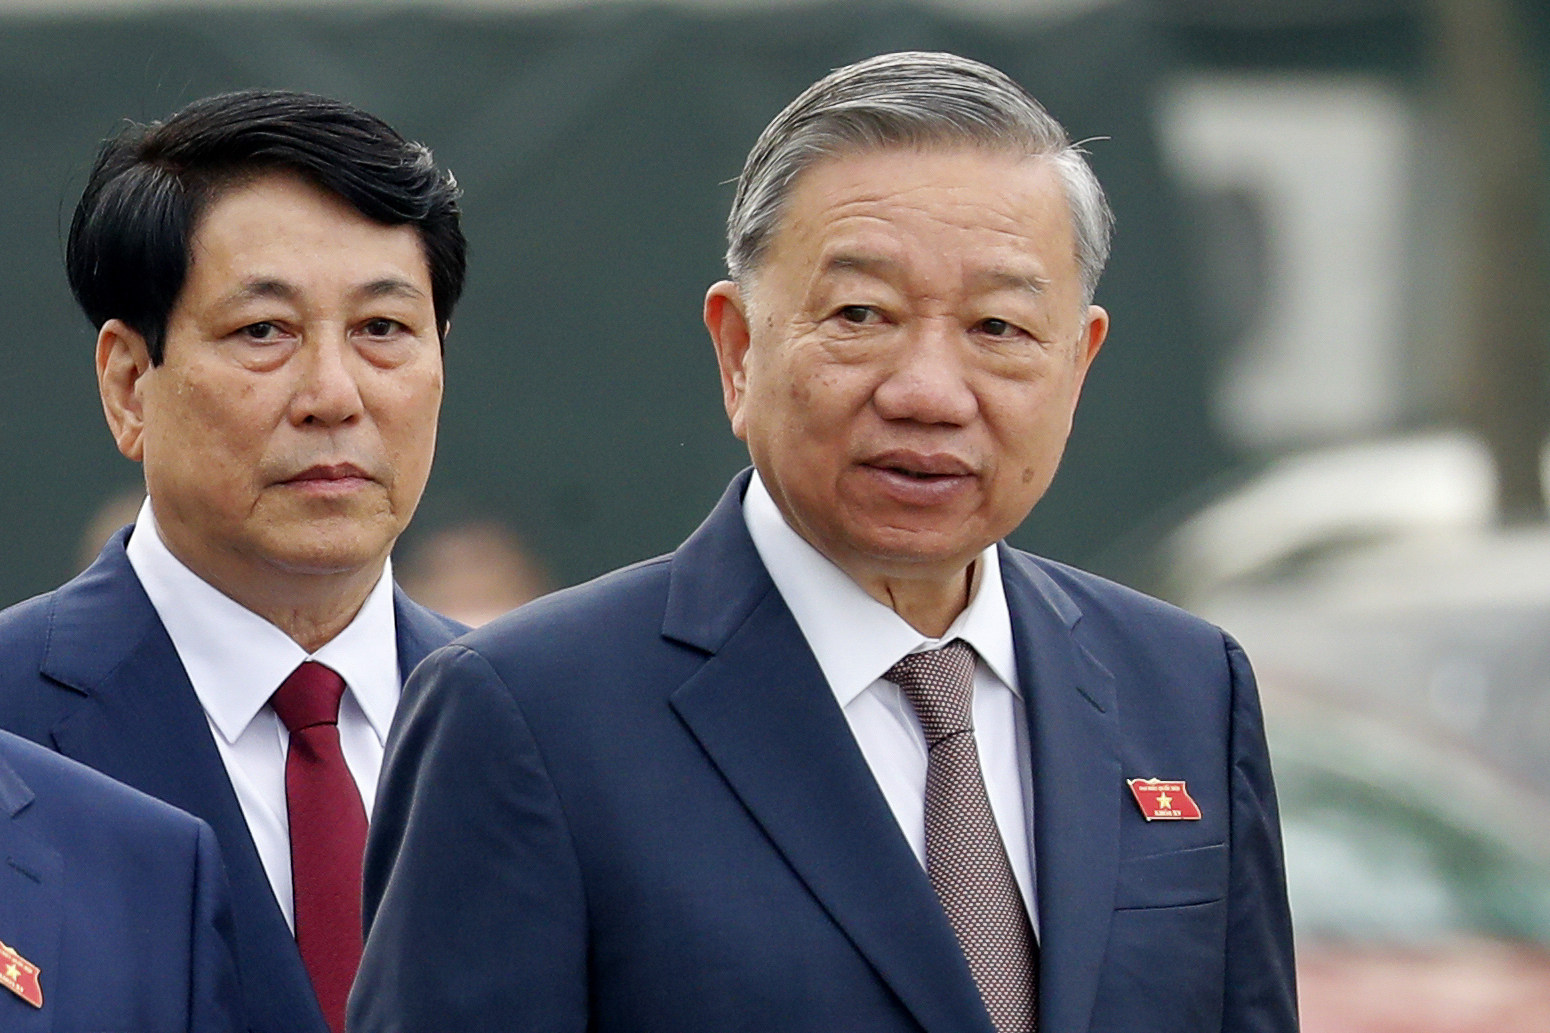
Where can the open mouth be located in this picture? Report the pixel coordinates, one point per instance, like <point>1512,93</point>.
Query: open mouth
<point>920,478</point>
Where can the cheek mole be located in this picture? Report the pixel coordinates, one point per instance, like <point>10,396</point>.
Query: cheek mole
<point>1028,474</point>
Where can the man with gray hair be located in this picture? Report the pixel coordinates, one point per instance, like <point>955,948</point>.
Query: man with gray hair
<point>845,761</point>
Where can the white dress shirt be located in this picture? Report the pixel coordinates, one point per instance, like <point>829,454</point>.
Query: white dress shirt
<point>856,639</point>
<point>236,660</point>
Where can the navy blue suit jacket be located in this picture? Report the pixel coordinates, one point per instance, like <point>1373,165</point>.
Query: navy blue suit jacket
<point>636,806</point>
<point>89,671</point>
<point>120,900</point>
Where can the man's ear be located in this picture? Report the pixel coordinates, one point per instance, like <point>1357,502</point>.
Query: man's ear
<point>1095,330</point>
<point>123,360</point>
<point>726,317</point>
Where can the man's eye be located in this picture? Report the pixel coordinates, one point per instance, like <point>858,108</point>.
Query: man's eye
<point>858,314</point>
<point>260,331</point>
<point>382,327</point>
<point>997,328</point>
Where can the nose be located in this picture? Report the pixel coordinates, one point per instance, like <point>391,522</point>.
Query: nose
<point>927,380</point>
<point>328,393</point>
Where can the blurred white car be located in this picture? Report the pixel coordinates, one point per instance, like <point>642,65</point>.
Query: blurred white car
<point>1402,643</point>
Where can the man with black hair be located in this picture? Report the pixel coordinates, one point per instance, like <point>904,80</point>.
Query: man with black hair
<point>271,276</point>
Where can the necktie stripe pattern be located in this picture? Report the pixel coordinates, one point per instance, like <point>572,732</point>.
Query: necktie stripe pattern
<point>965,856</point>
<point>328,835</point>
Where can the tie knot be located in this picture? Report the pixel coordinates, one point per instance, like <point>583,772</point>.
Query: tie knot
<point>310,696</point>
<point>939,683</point>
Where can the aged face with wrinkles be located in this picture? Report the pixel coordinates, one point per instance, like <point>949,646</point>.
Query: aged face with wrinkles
<point>905,364</point>
<point>291,425</point>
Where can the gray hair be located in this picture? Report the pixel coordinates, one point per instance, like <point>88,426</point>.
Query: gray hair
<point>910,99</point>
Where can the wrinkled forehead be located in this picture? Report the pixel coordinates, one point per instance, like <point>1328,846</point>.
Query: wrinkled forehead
<point>979,208</point>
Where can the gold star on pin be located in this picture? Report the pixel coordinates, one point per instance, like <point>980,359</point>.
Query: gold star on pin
<point>1165,801</point>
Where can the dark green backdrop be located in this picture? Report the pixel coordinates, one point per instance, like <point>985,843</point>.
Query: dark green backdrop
<point>594,147</point>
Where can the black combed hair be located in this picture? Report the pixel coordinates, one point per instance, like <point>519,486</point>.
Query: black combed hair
<point>127,255</point>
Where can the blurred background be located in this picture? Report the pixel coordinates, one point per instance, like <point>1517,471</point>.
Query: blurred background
<point>1320,419</point>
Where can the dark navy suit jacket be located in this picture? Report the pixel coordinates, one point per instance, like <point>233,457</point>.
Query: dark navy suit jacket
<point>636,806</point>
<point>89,671</point>
<point>120,900</point>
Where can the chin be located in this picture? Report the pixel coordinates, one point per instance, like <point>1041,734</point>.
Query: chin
<point>326,554</point>
<point>917,556</point>
<point>930,542</point>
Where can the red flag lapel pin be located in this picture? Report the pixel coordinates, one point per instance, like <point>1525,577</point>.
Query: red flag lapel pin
<point>20,976</point>
<point>1163,801</point>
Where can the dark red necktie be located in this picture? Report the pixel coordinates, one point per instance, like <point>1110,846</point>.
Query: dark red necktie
<point>328,835</point>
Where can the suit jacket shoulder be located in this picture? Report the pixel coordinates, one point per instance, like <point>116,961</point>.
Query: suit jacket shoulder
<point>57,645</point>
<point>1107,607</point>
<point>567,627</point>
<point>99,879</point>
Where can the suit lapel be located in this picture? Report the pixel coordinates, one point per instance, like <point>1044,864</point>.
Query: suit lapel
<point>762,712</point>
<point>31,905</point>
<point>420,632</point>
<point>134,700</point>
<point>1073,734</point>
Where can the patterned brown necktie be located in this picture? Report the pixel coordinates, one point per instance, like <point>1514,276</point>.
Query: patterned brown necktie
<point>965,857</point>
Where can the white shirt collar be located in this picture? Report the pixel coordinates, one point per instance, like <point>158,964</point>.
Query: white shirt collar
<point>236,659</point>
<point>854,637</point>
